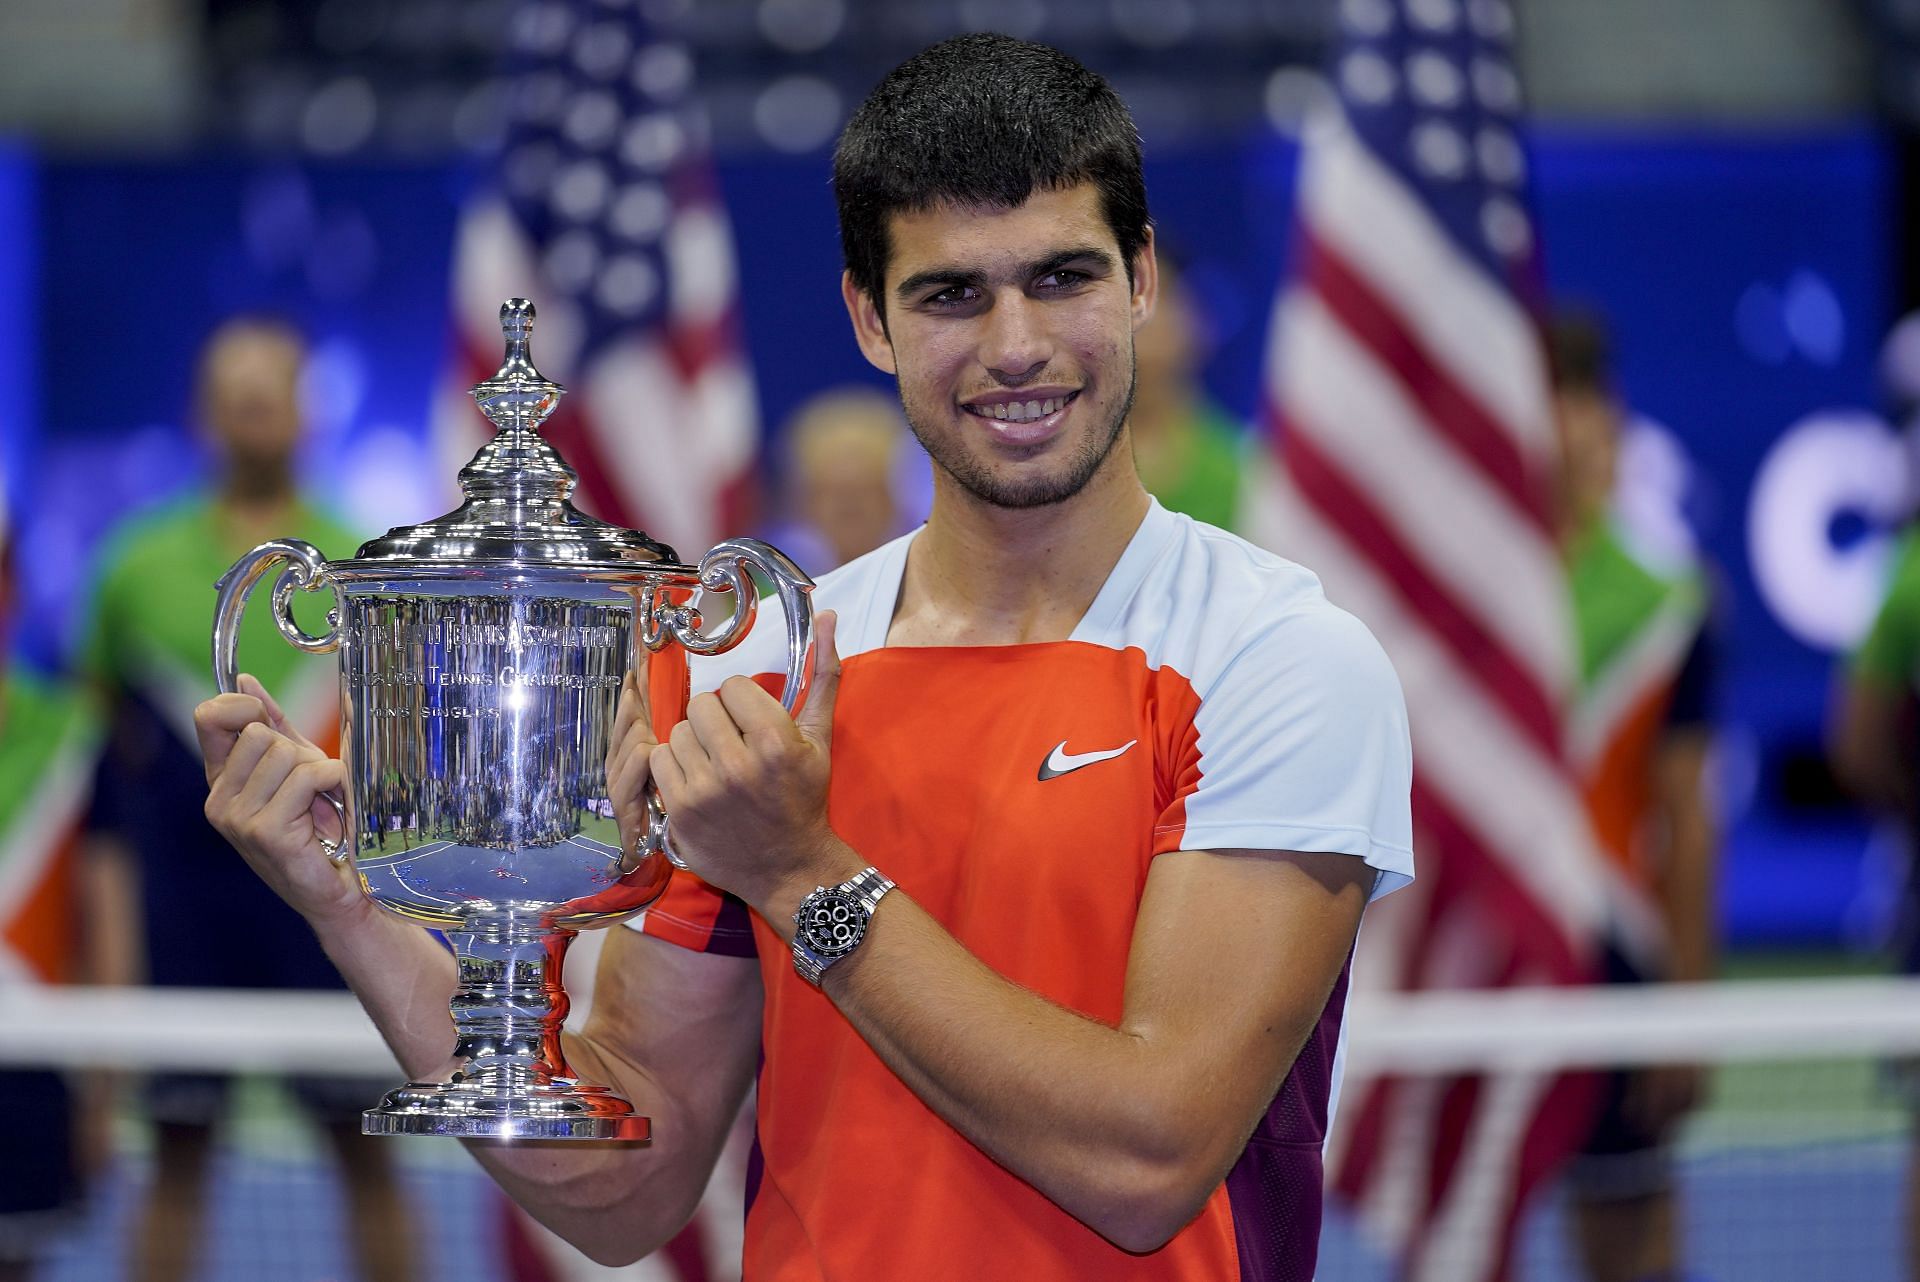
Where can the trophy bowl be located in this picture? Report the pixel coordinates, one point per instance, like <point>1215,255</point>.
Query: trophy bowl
<point>481,660</point>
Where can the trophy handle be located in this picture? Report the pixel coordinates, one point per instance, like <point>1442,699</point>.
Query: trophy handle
<point>725,569</point>
<point>305,571</point>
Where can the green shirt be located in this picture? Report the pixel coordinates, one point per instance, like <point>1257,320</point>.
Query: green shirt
<point>1616,596</point>
<point>45,730</point>
<point>1206,483</point>
<point>1891,652</point>
<point>150,622</point>
<point>47,742</point>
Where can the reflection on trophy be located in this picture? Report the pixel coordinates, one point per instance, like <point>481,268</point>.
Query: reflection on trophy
<point>481,659</point>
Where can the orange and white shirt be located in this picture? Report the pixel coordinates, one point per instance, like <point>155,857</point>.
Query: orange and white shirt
<point>1211,698</point>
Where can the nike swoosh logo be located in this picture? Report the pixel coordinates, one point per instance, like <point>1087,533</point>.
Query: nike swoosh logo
<point>1061,762</point>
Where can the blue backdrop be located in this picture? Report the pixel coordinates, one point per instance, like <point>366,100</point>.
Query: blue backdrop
<point>1747,277</point>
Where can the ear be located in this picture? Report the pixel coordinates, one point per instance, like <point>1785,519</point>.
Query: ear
<point>868,329</point>
<point>1146,281</point>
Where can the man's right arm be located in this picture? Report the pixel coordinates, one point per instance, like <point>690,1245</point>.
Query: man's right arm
<point>675,1031</point>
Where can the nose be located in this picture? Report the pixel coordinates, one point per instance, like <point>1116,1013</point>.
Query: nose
<point>1014,344</point>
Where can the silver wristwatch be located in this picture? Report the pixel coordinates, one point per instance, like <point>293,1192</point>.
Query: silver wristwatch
<point>832,921</point>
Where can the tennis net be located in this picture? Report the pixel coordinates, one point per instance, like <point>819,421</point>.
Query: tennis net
<point>1795,1168</point>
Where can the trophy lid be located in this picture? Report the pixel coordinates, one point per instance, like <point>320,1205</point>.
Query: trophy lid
<point>517,510</point>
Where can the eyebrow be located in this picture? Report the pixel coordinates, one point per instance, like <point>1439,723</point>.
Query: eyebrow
<point>973,277</point>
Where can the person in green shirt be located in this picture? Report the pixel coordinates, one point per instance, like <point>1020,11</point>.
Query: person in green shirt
<point>1189,450</point>
<point>1639,741</point>
<point>55,1126</point>
<point>1874,745</point>
<point>202,918</point>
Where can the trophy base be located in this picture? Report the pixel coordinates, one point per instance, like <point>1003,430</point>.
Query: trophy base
<point>557,1110</point>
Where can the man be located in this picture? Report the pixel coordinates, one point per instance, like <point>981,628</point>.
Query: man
<point>843,476</point>
<point>46,745</point>
<point>1134,781</point>
<point>1876,754</point>
<point>1641,737</point>
<point>1188,448</point>
<point>192,918</point>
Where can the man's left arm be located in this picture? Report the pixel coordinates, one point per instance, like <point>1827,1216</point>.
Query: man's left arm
<point>1127,1128</point>
<point>1686,854</point>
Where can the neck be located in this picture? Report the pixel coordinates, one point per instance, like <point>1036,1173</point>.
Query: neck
<point>1161,407</point>
<point>985,575</point>
<point>254,501</point>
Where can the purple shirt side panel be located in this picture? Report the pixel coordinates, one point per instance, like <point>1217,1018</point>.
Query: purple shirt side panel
<point>1275,1187</point>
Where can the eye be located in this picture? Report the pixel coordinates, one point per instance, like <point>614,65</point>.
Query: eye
<point>951,298</point>
<point>1065,278</point>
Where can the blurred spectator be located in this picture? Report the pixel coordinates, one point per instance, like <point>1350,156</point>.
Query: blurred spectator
<point>1189,449</point>
<point>1640,737</point>
<point>200,915</point>
<point>842,491</point>
<point>46,738</point>
<point>1874,738</point>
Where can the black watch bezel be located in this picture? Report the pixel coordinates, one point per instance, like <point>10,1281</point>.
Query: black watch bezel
<point>825,935</point>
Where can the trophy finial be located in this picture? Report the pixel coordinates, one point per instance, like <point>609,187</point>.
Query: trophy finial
<point>517,397</point>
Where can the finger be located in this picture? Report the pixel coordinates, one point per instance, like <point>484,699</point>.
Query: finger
<point>816,714</point>
<point>664,764</point>
<point>719,734</point>
<point>627,711</point>
<point>630,779</point>
<point>688,754</point>
<point>276,716</point>
<point>290,808</point>
<point>269,773</point>
<point>245,751</point>
<point>218,722</point>
<point>630,748</point>
<point>754,710</point>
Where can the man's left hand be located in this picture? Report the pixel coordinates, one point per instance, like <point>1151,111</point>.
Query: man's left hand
<point>746,786</point>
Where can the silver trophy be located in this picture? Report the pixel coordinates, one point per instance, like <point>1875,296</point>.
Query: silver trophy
<point>481,659</point>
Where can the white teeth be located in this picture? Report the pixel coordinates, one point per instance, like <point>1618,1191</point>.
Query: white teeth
<point>1018,412</point>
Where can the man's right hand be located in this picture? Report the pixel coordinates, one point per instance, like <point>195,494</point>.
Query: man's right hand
<point>265,784</point>
<point>629,759</point>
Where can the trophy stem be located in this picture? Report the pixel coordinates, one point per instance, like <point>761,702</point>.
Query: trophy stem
<point>510,1007</point>
<point>513,1082</point>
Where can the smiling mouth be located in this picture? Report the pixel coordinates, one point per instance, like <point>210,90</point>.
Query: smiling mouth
<point>1021,411</point>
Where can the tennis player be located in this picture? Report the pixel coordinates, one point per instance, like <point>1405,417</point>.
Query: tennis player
<point>1034,927</point>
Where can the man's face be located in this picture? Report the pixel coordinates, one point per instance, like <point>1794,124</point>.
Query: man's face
<point>1588,423</point>
<point>1011,334</point>
<point>250,397</point>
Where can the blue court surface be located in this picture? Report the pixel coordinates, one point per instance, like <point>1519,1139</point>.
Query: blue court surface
<point>1828,1209</point>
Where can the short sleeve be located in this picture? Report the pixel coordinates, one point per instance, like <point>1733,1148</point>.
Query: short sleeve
<point>96,657</point>
<point>1300,743</point>
<point>1890,654</point>
<point>695,915</point>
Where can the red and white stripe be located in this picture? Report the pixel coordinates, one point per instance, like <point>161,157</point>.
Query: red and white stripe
<point>1409,414</point>
<point>663,423</point>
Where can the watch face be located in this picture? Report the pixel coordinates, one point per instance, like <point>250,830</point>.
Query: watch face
<point>833,922</point>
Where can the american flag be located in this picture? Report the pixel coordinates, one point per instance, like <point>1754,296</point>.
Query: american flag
<point>1408,407</point>
<point>604,210</point>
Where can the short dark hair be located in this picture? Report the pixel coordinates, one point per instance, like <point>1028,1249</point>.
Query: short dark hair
<point>982,119</point>
<point>1579,351</point>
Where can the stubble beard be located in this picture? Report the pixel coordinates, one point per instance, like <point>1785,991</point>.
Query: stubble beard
<point>977,479</point>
